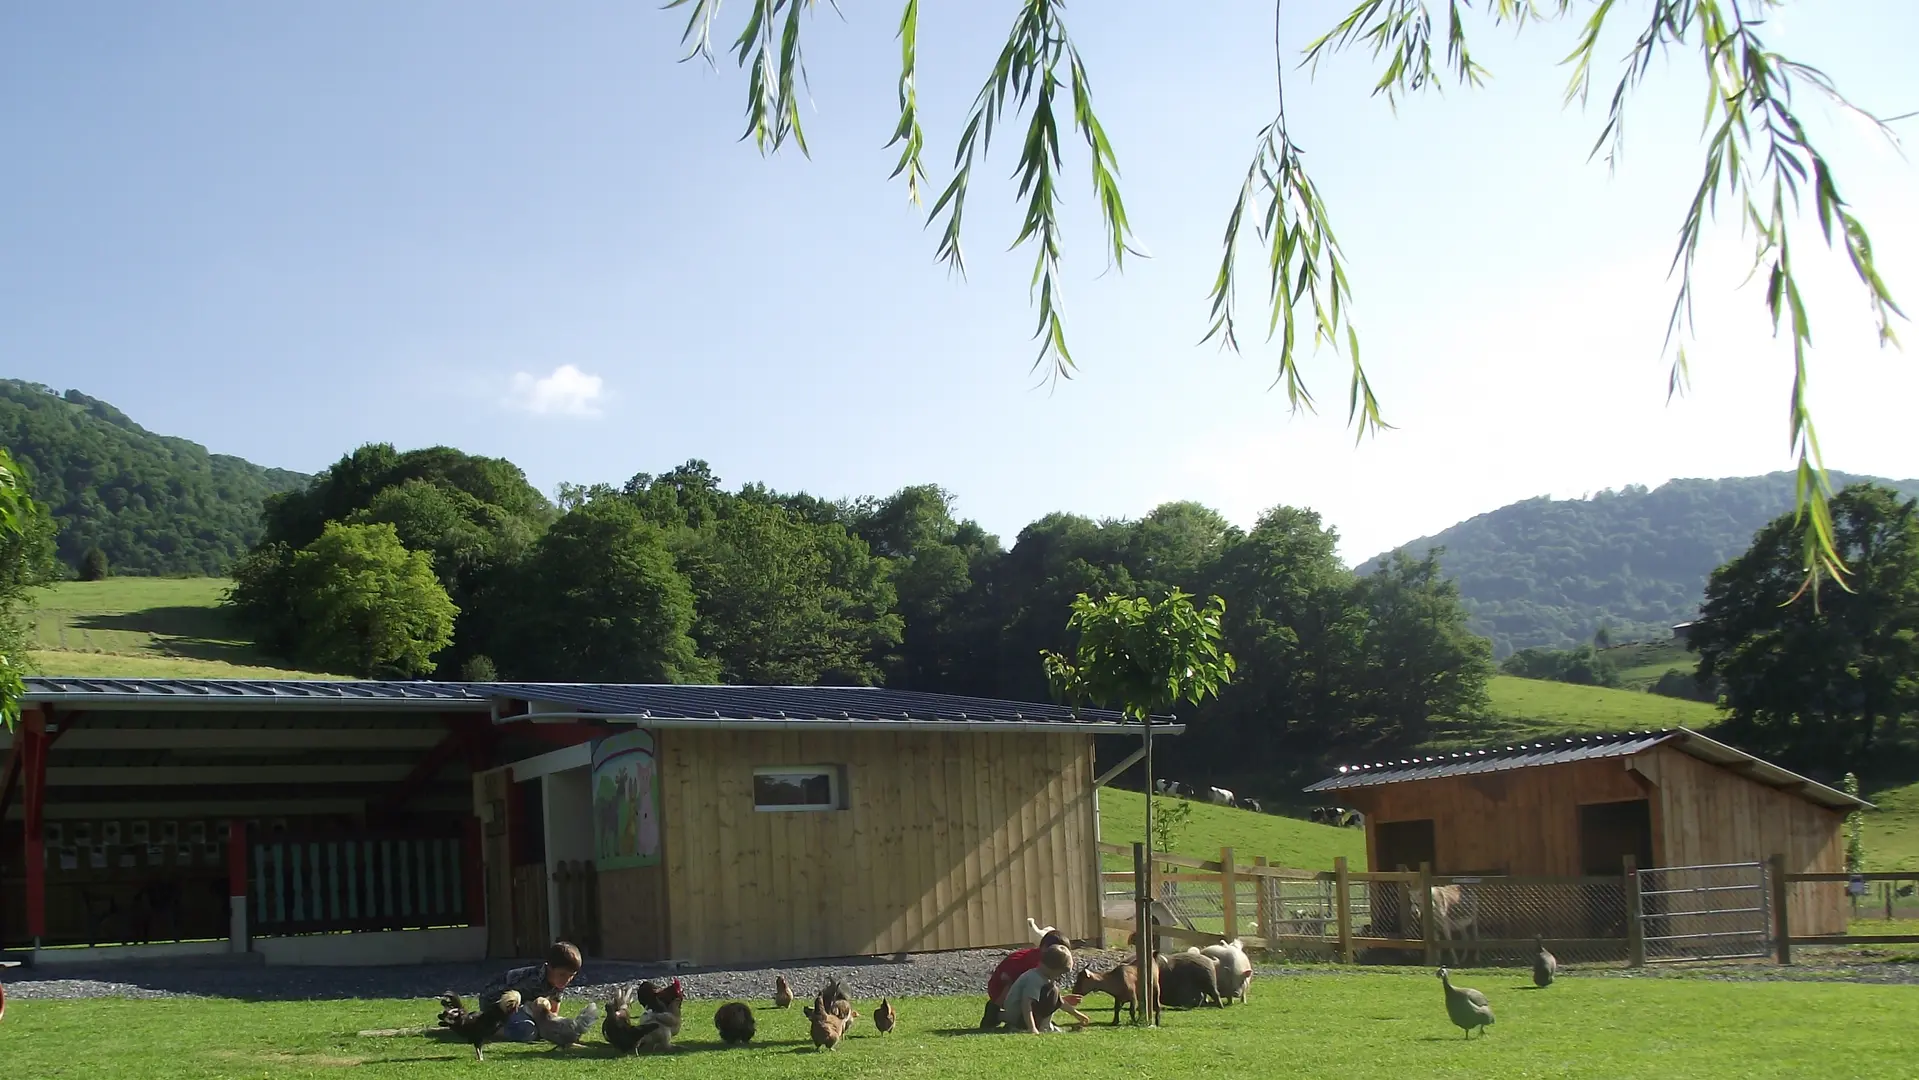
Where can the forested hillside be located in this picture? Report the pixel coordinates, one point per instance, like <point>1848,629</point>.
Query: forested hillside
<point>152,503</point>
<point>1550,572</point>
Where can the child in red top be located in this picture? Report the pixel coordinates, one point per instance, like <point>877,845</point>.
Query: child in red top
<point>1017,963</point>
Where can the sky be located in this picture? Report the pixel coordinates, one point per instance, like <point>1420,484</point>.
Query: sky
<point>529,231</point>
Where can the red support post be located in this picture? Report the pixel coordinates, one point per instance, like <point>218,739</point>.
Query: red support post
<point>237,939</point>
<point>31,742</point>
<point>472,872</point>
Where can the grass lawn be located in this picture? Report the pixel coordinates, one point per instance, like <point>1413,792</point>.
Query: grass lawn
<point>143,626</point>
<point>1642,663</point>
<point>1347,1026</point>
<point>1891,834</point>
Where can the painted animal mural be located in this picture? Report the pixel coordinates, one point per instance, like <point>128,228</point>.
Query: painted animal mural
<point>625,801</point>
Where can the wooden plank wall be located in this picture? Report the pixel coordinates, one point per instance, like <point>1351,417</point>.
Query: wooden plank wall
<point>949,841</point>
<point>493,789</point>
<point>633,913</point>
<point>1522,821</point>
<point>1712,815</point>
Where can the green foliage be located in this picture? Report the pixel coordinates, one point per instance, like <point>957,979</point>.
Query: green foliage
<point>93,565</point>
<point>479,668</point>
<point>1170,819</point>
<point>26,547</point>
<point>1141,657</point>
<point>1832,684</point>
<point>1855,829</point>
<point>153,504</point>
<point>599,599</point>
<point>368,606</point>
<point>1549,572</point>
<point>1584,666</point>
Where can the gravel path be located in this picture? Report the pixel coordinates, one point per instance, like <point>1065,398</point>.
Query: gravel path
<point>926,974</point>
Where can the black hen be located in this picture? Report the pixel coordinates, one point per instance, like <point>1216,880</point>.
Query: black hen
<point>477,1027</point>
<point>657,1023</point>
<point>735,1024</point>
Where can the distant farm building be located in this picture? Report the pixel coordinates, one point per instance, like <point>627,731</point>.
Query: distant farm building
<point>1682,633</point>
<point>1583,806</point>
<point>709,824</point>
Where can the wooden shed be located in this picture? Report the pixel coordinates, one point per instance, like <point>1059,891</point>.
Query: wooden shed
<point>737,824</point>
<point>1580,806</point>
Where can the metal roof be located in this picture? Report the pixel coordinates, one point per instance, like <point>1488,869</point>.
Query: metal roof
<point>668,705</point>
<point>1588,748</point>
<point>321,693</point>
<point>779,706</point>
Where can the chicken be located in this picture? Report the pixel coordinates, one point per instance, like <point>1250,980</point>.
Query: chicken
<point>1545,964</point>
<point>557,1030</point>
<point>782,993</point>
<point>477,1027</point>
<point>828,1028</point>
<point>734,1022</point>
<point>659,1025</point>
<point>884,1017</point>
<point>1468,1009</point>
<point>839,1003</point>
<point>618,1028</point>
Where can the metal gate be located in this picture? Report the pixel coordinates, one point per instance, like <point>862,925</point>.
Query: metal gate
<point>1717,912</point>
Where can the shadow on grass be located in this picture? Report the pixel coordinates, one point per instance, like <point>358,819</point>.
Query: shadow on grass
<point>198,633</point>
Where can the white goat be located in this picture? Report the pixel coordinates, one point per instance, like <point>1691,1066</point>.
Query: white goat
<point>1454,911</point>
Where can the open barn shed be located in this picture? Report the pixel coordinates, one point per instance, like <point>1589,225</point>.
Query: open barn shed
<point>343,822</point>
<point>1581,806</point>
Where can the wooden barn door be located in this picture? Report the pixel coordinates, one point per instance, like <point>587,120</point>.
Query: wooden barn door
<point>492,804</point>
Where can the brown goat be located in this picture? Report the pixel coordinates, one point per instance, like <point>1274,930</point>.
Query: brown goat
<point>1121,982</point>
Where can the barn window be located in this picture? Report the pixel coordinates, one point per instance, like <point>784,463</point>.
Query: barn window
<point>797,787</point>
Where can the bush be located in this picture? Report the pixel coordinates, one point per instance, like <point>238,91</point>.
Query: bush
<point>93,565</point>
<point>479,668</point>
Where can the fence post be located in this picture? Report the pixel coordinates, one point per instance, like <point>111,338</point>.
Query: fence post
<point>1343,898</point>
<point>1263,905</point>
<point>1782,921</point>
<point>1635,914</point>
<point>1143,931</point>
<point>1428,930</point>
<point>1228,894</point>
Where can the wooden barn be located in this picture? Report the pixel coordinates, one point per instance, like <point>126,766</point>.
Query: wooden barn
<point>1581,806</point>
<point>703,824</point>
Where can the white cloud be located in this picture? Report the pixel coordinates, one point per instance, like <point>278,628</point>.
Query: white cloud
<point>567,392</point>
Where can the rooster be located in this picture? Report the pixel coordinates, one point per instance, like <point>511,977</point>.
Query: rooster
<point>828,1028</point>
<point>735,1023</point>
<point>477,1027</point>
<point>655,1027</point>
<point>561,1032</point>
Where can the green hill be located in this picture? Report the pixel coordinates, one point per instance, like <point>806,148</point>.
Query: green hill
<point>160,627</point>
<point>1523,709</point>
<point>1284,841</point>
<point>1550,572</point>
<point>154,504</point>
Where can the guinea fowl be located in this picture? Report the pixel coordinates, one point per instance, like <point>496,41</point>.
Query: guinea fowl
<point>554,1028</point>
<point>1468,1009</point>
<point>782,993</point>
<point>884,1017</point>
<point>734,1022</point>
<point>477,1027</point>
<point>1545,964</point>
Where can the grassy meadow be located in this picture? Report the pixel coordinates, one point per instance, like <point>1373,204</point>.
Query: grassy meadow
<point>1283,841</point>
<point>144,626</point>
<point>1523,709</point>
<point>1345,1025</point>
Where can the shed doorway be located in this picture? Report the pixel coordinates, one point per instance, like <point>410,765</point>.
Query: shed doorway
<point>1608,832</point>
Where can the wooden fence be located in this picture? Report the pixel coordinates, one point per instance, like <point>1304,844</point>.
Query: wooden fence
<point>1783,939</point>
<point>579,911</point>
<point>1344,940</point>
<point>392,881</point>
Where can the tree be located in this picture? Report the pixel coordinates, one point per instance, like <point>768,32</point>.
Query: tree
<point>599,599</point>
<point>93,565</point>
<point>479,668</point>
<point>1418,659</point>
<point>1759,160</point>
<point>1142,657</point>
<point>1829,682</point>
<point>368,606</point>
<point>26,552</point>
